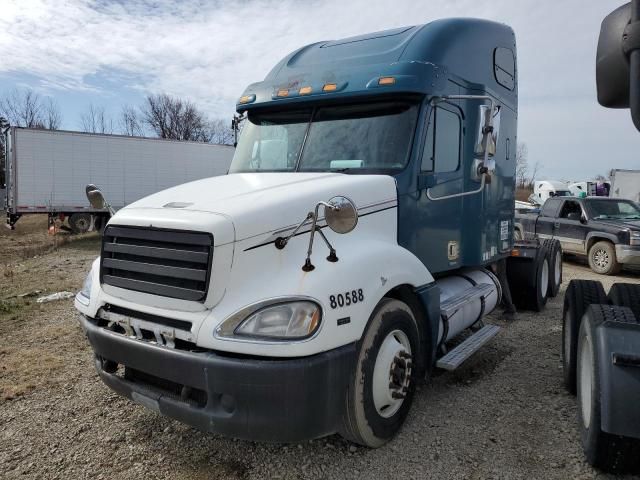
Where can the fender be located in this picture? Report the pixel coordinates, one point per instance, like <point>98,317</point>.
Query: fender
<point>619,364</point>
<point>606,236</point>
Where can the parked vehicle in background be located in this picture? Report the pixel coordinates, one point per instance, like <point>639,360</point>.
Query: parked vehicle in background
<point>626,184</point>
<point>601,333</point>
<point>46,171</point>
<point>544,189</point>
<point>589,189</point>
<point>397,164</point>
<point>605,230</point>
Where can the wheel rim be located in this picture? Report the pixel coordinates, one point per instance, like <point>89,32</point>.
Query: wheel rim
<point>544,281</point>
<point>558,268</point>
<point>392,373</point>
<point>585,368</point>
<point>567,338</point>
<point>601,258</point>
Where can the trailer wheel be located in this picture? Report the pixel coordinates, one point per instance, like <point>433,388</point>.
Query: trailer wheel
<point>80,222</point>
<point>529,279</point>
<point>626,295</point>
<point>381,390</point>
<point>517,235</point>
<point>554,251</point>
<point>579,295</point>
<point>602,258</point>
<point>612,453</point>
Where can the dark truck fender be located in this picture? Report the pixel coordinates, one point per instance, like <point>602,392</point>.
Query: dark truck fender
<point>619,362</point>
<point>596,236</point>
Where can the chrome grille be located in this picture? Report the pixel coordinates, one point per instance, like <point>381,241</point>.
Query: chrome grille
<point>169,263</point>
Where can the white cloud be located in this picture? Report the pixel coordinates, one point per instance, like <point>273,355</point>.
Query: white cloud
<point>209,51</point>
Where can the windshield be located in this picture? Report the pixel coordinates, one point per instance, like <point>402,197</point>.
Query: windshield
<point>372,137</point>
<point>613,209</point>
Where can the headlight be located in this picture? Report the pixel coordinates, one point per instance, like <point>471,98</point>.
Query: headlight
<point>284,321</point>
<point>85,294</point>
<point>635,237</point>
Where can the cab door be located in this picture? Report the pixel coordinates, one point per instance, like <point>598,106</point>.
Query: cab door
<point>570,227</point>
<point>439,223</point>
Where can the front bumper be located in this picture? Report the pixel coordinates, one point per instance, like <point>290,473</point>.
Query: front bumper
<point>627,254</point>
<point>276,400</point>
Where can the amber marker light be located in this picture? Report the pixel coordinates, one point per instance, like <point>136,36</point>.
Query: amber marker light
<point>386,81</point>
<point>305,90</point>
<point>330,87</point>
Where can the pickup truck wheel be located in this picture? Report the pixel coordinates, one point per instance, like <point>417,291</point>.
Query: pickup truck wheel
<point>579,295</point>
<point>554,251</point>
<point>602,258</point>
<point>381,391</point>
<point>612,453</point>
<point>80,222</point>
<point>626,295</point>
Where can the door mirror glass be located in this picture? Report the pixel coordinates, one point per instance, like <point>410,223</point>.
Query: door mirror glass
<point>491,142</point>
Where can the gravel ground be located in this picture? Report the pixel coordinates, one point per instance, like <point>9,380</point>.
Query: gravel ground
<point>504,414</point>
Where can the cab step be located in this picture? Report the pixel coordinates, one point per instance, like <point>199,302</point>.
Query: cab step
<point>471,345</point>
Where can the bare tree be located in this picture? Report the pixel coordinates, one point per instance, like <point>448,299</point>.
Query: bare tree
<point>522,165</point>
<point>130,122</point>
<point>175,118</point>
<point>221,132</point>
<point>95,120</point>
<point>25,108</point>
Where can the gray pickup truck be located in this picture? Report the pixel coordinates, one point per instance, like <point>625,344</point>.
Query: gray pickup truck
<point>605,230</point>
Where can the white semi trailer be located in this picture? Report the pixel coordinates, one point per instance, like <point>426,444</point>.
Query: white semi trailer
<point>46,171</point>
<point>626,184</point>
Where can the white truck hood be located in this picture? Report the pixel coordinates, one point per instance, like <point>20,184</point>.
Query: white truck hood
<point>257,203</point>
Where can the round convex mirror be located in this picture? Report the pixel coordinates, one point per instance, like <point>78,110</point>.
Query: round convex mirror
<point>342,216</point>
<point>95,197</point>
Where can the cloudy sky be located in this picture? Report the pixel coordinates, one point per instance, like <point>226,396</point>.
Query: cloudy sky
<point>114,52</point>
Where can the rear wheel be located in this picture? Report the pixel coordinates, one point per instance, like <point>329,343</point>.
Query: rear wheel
<point>602,258</point>
<point>517,235</point>
<point>626,295</point>
<point>529,281</point>
<point>381,391</point>
<point>80,222</point>
<point>580,294</point>
<point>554,250</point>
<point>608,452</point>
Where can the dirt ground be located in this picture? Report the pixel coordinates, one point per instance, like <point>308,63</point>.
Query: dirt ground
<point>504,414</point>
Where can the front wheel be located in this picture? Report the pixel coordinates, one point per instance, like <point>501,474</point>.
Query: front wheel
<point>381,391</point>
<point>602,258</point>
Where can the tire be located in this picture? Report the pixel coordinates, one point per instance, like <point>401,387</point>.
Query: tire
<point>80,222</point>
<point>602,258</point>
<point>611,453</point>
<point>371,416</point>
<point>554,251</point>
<point>626,295</point>
<point>529,281</point>
<point>579,295</point>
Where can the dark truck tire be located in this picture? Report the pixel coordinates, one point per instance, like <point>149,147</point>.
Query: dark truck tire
<point>554,251</point>
<point>529,281</point>
<point>376,407</point>
<point>611,453</point>
<point>626,295</point>
<point>602,258</point>
<point>579,295</point>
<point>80,222</point>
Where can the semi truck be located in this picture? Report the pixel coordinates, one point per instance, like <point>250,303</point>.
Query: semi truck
<point>362,235</point>
<point>601,331</point>
<point>46,171</point>
<point>625,184</point>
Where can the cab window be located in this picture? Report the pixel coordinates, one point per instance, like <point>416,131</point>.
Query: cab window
<point>442,146</point>
<point>570,207</point>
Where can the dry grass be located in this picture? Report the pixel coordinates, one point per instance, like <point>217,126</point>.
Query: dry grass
<point>25,369</point>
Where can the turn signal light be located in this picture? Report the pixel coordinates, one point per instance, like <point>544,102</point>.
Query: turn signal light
<point>386,81</point>
<point>246,99</point>
<point>330,87</point>
<point>305,90</point>
<point>283,92</point>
